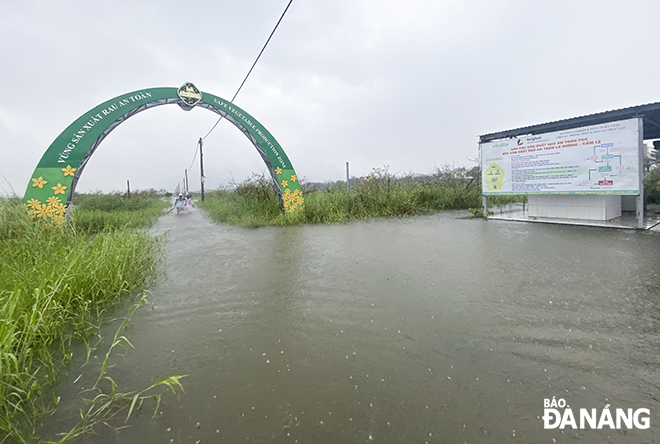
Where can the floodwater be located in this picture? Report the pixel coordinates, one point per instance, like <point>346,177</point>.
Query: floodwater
<point>433,329</point>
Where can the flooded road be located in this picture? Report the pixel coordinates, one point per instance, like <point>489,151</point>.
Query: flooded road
<point>433,329</point>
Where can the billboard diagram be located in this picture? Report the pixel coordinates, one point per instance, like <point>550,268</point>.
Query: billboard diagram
<point>597,159</point>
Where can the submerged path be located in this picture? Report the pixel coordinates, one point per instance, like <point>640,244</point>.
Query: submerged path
<point>430,329</point>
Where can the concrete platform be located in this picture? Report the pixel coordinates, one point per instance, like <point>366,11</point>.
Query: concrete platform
<point>627,221</point>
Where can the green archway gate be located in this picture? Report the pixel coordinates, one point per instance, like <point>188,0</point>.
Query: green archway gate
<point>54,180</point>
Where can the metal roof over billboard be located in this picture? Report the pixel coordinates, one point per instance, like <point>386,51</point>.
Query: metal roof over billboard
<point>650,113</point>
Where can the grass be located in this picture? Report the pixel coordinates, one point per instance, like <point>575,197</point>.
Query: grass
<point>107,405</point>
<point>254,202</point>
<point>96,212</point>
<point>55,282</point>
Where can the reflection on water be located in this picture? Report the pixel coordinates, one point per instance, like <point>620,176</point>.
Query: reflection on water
<point>431,329</point>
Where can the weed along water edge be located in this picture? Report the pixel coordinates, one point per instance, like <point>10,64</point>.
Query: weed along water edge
<point>427,329</point>
<point>253,203</point>
<point>55,284</point>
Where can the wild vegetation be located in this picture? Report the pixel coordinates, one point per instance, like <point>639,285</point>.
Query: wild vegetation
<point>55,283</point>
<point>652,185</point>
<point>93,213</point>
<point>254,203</point>
<point>652,174</point>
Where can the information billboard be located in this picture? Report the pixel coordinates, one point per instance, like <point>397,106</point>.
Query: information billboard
<point>597,159</point>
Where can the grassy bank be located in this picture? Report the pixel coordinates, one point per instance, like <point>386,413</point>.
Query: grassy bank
<point>93,213</point>
<point>54,284</point>
<point>254,202</point>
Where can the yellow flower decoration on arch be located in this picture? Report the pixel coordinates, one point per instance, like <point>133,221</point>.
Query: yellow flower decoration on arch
<point>278,170</point>
<point>68,171</point>
<point>59,189</point>
<point>41,211</point>
<point>40,182</point>
<point>293,178</point>
<point>59,209</point>
<point>285,183</point>
<point>292,200</point>
<point>53,212</point>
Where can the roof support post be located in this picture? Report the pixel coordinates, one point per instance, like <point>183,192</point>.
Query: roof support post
<point>639,210</point>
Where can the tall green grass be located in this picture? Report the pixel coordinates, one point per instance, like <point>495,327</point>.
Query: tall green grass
<point>55,282</point>
<point>380,194</point>
<point>96,212</point>
<point>246,211</point>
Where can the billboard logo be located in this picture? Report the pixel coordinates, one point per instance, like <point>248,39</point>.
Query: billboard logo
<point>520,142</point>
<point>494,177</point>
<point>189,94</point>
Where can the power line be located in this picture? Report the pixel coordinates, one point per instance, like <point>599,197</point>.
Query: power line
<point>196,149</point>
<point>253,65</point>
<point>244,80</point>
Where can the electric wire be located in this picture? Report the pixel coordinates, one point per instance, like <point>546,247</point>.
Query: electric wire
<point>194,157</point>
<point>253,65</point>
<point>243,82</point>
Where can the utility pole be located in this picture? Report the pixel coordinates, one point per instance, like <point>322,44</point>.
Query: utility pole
<point>201,165</point>
<point>348,189</point>
<point>128,188</point>
<point>187,188</point>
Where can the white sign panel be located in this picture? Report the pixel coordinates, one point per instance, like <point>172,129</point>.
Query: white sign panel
<point>597,159</point>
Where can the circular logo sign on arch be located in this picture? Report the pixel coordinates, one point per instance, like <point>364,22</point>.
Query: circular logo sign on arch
<point>189,94</point>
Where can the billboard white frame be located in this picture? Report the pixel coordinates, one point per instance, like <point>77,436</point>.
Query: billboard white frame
<point>597,159</point>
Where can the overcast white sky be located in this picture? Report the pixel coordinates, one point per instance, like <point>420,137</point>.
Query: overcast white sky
<point>373,82</point>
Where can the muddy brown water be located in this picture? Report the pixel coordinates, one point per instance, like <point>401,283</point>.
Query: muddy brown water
<point>432,329</point>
